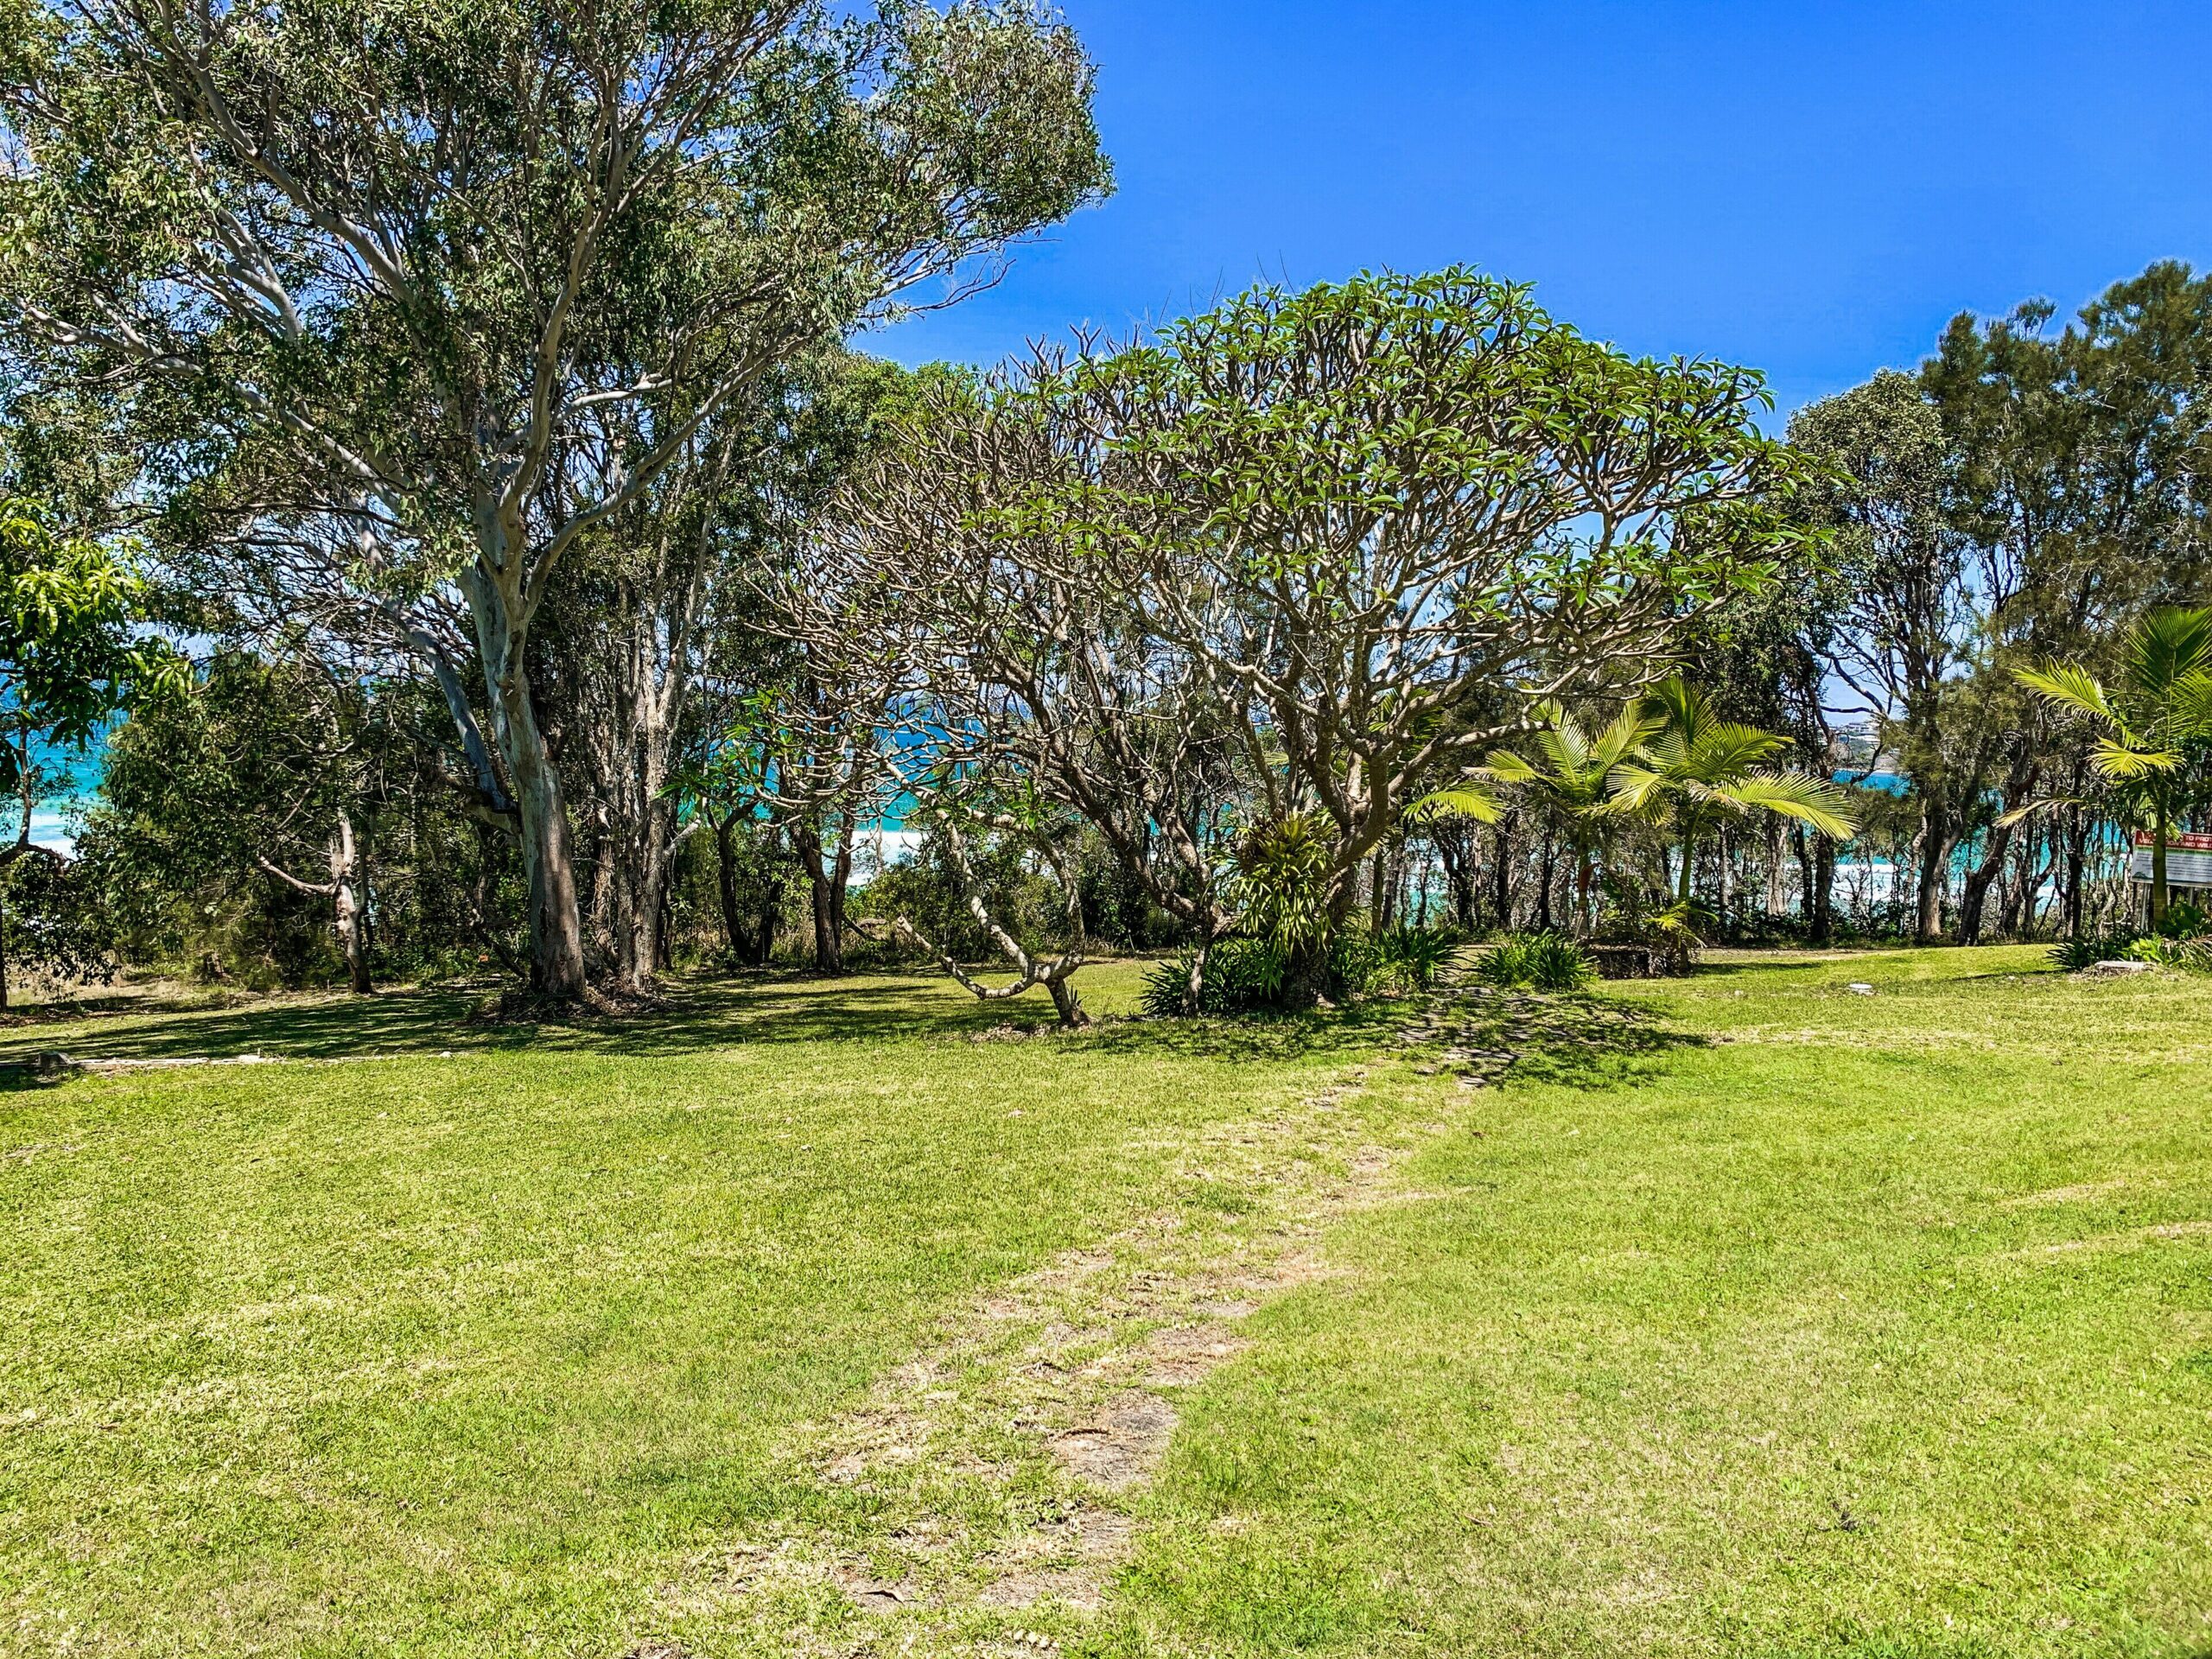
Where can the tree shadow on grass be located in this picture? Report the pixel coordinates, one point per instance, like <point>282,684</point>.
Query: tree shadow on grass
<point>1776,965</point>
<point>311,1028</point>
<point>697,1014</point>
<point>1575,1042</point>
<point>1360,1028</point>
<point>1579,1040</point>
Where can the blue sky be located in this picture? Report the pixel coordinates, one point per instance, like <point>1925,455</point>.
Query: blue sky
<point>1810,189</point>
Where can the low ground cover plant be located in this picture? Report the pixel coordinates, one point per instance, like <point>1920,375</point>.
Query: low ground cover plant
<point>1414,959</point>
<point>2072,956</point>
<point>1244,976</point>
<point>2182,939</point>
<point>1538,962</point>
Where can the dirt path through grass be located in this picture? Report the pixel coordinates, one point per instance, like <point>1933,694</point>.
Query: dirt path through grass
<point>991,1473</point>
<point>993,1476</point>
<point>1890,1340</point>
<point>983,1494</point>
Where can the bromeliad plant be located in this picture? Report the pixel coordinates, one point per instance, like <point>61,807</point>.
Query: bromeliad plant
<point>1282,889</point>
<point>2146,723</point>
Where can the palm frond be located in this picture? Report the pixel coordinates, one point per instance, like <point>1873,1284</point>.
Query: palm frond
<point>2019,814</point>
<point>2124,763</point>
<point>1508,767</point>
<point>1813,802</point>
<point>1681,706</point>
<point>1462,801</point>
<point>2165,648</point>
<point>1726,747</point>
<point>2193,705</point>
<point>1560,736</point>
<point>1634,788</point>
<point>1617,742</point>
<point>2069,686</point>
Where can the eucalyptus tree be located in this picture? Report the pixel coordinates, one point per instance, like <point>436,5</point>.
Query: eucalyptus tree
<point>653,631</point>
<point>1906,626</point>
<point>1765,662</point>
<point>2080,454</point>
<point>808,741</point>
<point>454,288</point>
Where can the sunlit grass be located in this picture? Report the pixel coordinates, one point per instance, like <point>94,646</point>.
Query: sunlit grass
<point>1786,1320</point>
<point>1880,1325</point>
<point>468,1355</point>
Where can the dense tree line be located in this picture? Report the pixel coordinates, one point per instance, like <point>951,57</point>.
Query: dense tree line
<point>438,436</point>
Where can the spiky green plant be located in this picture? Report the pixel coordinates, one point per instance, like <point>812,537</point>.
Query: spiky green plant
<point>1543,961</point>
<point>1281,883</point>
<point>2090,949</point>
<point>1413,957</point>
<point>2145,722</point>
<point>1697,771</point>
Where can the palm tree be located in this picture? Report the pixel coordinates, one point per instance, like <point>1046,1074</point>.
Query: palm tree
<point>1571,774</point>
<point>2145,722</point>
<point>1701,770</point>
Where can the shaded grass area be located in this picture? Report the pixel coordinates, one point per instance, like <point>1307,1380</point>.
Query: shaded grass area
<point>469,1356</point>
<point>1868,1326</point>
<point>696,1015</point>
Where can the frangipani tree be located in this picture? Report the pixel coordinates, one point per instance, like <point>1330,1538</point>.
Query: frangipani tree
<point>2145,722</point>
<point>1698,771</point>
<point>971,812</point>
<point>1347,534</point>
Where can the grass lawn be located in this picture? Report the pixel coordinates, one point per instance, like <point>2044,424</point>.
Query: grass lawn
<point>1808,1323</point>
<point>1879,1325</point>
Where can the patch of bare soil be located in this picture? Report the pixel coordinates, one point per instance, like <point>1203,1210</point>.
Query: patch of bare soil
<point>2080,1194</point>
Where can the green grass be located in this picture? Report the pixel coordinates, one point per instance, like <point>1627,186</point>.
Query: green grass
<point>465,1356</point>
<point>1881,1326</point>
<point>1807,1323</point>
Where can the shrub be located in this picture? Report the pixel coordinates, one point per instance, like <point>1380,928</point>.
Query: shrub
<point>2192,956</point>
<point>1241,976</point>
<point>1543,961</point>
<point>2183,921</point>
<point>1674,935</point>
<point>1412,956</point>
<point>2073,955</point>
<point>1356,967</point>
<point>1251,975</point>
